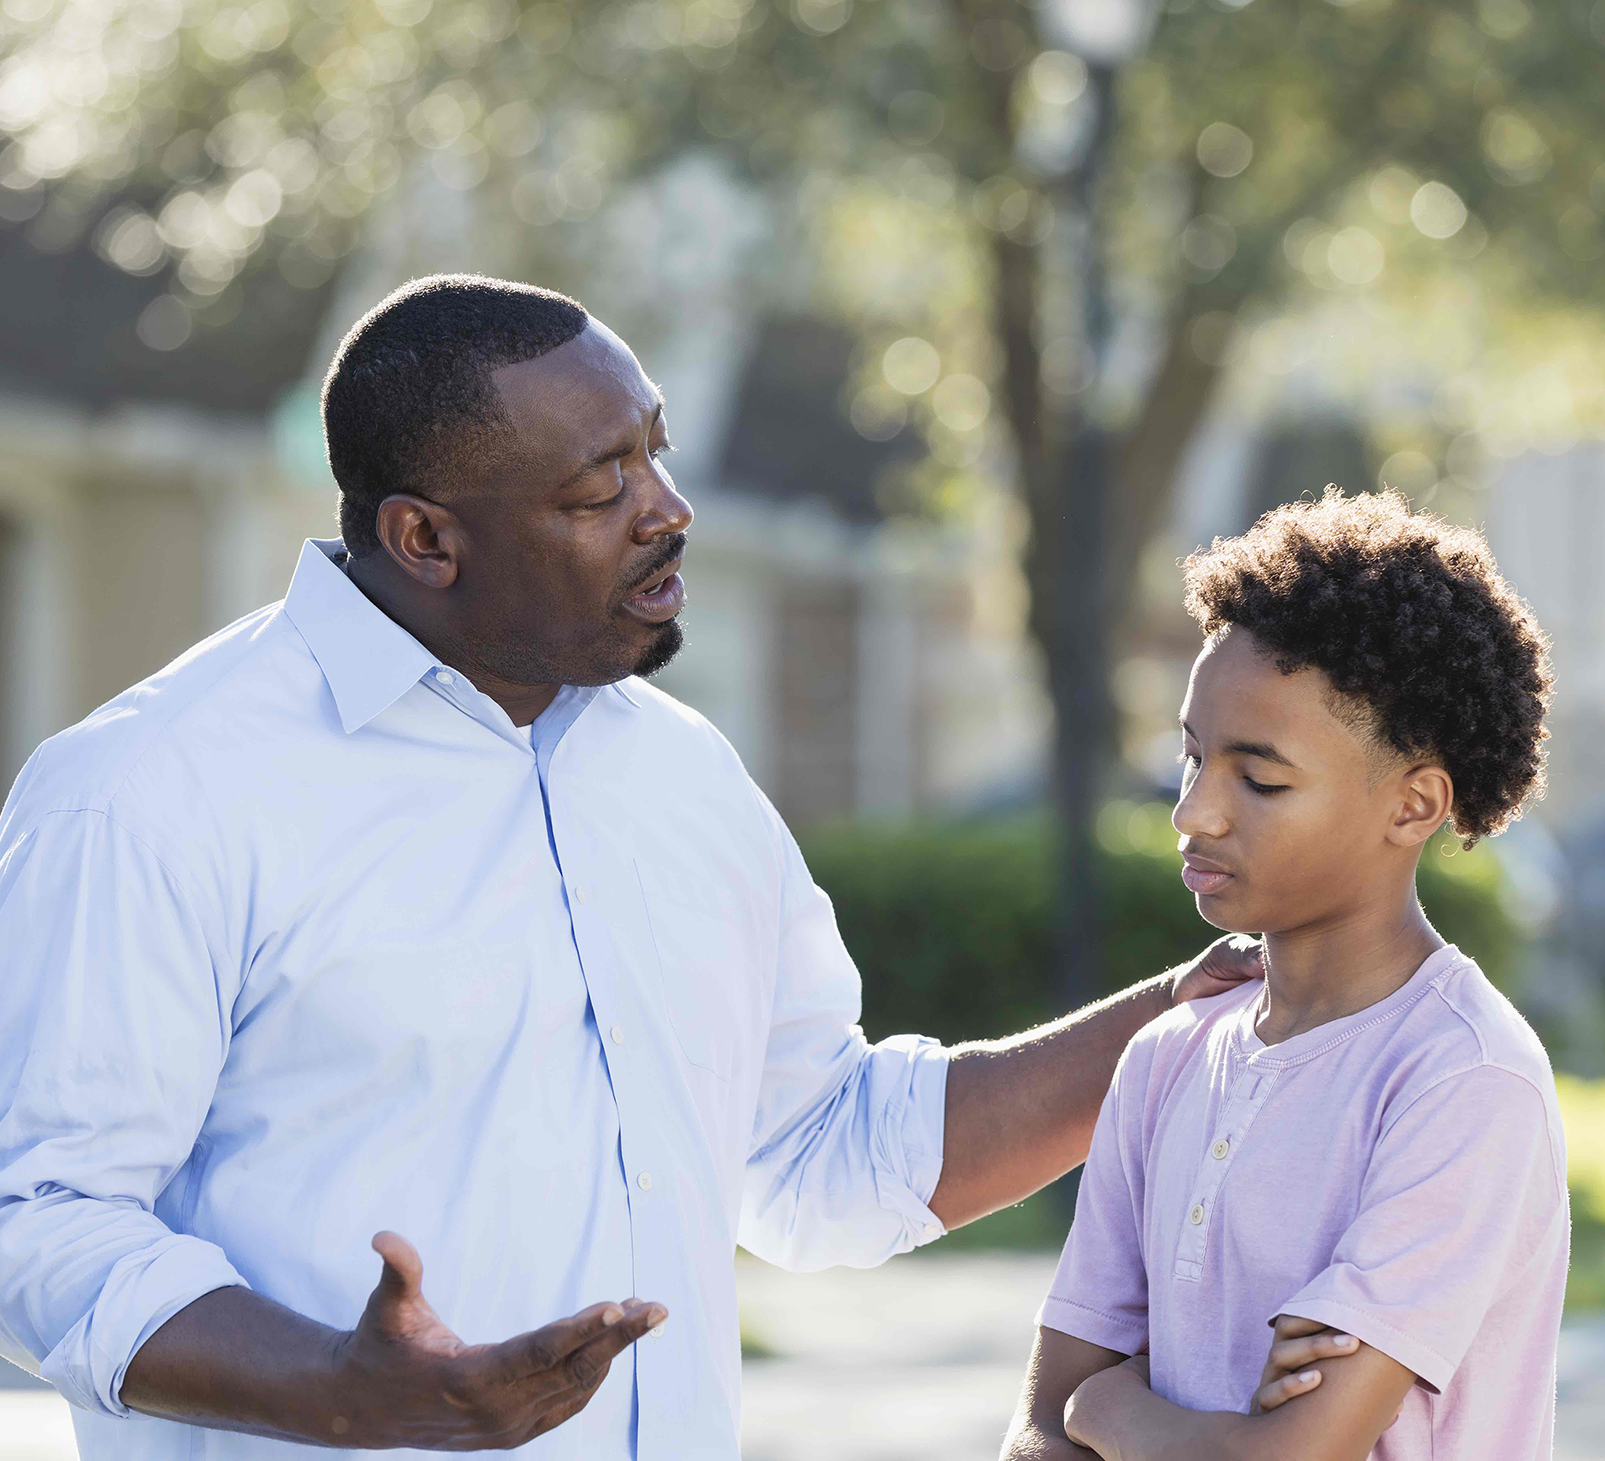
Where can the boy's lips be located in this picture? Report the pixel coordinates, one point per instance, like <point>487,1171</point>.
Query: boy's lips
<point>1202,876</point>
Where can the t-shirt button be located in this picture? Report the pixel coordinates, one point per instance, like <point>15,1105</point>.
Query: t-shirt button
<point>1220,1148</point>
<point>1196,1216</point>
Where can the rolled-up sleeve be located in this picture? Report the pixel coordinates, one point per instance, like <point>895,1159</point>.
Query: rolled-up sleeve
<point>115,1028</point>
<point>847,1143</point>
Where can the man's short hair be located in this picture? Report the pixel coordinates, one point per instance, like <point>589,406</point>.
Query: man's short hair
<point>1422,640</point>
<point>408,403</point>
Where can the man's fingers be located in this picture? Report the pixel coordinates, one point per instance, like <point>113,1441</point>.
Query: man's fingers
<point>608,1327</point>
<point>1294,1354</point>
<point>1289,1387</point>
<point>403,1274</point>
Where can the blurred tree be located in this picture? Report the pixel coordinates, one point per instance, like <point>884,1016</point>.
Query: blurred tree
<point>1380,152</point>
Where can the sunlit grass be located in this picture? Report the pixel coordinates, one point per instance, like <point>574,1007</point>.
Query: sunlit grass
<point>1582,1108</point>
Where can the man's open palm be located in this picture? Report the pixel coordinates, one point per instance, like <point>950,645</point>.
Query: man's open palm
<point>414,1383</point>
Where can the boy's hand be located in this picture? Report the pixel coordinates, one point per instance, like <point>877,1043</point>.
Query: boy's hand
<point>1224,965</point>
<point>1297,1345</point>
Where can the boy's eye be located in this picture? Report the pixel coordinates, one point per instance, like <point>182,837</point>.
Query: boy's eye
<point>658,451</point>
<point>1188,759</point>
<point>1263,788</point>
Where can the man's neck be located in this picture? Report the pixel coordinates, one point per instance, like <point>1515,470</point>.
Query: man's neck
<point>398,601</point>
<point>1343,965</point>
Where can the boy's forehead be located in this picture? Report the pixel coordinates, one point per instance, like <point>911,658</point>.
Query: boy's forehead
<point>1237,693</point>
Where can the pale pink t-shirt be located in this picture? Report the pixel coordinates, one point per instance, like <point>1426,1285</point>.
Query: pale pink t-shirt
<point>1398,1174</point>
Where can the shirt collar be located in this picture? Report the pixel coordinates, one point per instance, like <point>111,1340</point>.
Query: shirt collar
<point>368,659</point>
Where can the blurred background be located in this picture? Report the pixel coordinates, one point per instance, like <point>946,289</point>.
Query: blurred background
<point>973,316</point>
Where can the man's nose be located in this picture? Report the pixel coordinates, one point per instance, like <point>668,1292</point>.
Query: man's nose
<point>667,512</point>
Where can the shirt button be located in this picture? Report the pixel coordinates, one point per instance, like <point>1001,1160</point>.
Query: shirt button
<point>1220,1148</point>
<point>578,892</point>
<point>1196,1216</point>
<point>616,1034</point>
<point>656,1332</point>
<point>445,677</point>
<point>644,1181</point>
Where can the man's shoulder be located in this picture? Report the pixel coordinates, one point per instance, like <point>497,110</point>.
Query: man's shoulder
<point>182,711</point>
<point>645,709</point>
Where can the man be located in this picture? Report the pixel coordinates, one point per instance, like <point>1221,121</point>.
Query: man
<point>405,904</point>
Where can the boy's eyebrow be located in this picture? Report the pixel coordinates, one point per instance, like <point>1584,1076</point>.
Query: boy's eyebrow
<point>1263,750</point>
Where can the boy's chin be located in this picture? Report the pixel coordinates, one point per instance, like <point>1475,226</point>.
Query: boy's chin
<point>1212,908</point>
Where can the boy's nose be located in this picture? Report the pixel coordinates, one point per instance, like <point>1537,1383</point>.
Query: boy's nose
<point>1196,813</point>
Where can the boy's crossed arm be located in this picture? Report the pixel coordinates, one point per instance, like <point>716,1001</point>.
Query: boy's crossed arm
<point>1082,1401</point>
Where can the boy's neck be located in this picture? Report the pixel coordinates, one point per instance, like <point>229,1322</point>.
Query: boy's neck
<point>1337,968</point>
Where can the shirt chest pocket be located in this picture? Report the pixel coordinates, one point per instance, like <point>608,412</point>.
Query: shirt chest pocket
<point>705,958</point>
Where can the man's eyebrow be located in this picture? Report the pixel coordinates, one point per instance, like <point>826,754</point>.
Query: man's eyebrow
<point>612,453</point>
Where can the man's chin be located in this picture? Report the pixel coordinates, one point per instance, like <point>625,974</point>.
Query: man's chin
<point>666,643</point>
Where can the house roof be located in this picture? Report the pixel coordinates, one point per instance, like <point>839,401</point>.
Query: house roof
<point>790,437</point>
<point>68,318</point>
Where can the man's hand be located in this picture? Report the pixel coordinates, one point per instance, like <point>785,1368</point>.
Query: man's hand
<point>1298,1343</point>
<point>412,1382</point>
<point>1224,965</point>
<point>235,1360</point>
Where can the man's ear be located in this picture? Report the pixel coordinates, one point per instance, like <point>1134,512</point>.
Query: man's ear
<point>421,537</point>
<point>1426,796</point>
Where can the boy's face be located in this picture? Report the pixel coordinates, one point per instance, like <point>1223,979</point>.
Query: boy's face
<point>1284,820</point>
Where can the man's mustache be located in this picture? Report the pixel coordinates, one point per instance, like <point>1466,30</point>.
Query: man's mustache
<point>671,548</point>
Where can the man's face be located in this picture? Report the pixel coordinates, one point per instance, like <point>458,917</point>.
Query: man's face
<point>572,543</point>
<point>1283,818</point>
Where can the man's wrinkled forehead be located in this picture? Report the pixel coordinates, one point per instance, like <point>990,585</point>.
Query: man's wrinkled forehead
<point>586,392</point>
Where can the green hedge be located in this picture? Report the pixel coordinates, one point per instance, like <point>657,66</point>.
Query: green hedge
<point>952,923</point>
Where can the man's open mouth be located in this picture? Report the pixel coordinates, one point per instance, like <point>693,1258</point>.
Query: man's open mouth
<point>660,598</point>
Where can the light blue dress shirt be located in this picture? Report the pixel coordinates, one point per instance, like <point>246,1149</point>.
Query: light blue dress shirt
<point>303,938</point>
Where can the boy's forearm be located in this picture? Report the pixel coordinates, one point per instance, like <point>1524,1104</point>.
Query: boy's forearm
<point>1120,1419</point>
<point>1029,1441</point>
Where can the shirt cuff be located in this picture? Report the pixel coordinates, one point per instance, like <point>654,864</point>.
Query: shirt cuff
<point>1365,1326</point>
<point>908,1153</point>
<point>1105,1330</point>
<point>142,1292</point>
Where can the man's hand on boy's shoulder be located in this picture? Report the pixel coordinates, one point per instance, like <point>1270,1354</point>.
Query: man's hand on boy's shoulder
<point>1224,965</point>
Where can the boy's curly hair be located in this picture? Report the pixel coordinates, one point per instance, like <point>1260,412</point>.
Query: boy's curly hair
<point>1409,619</point>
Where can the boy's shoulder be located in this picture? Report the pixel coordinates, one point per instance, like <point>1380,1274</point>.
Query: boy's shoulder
<point>1196,1029</point>
<point>1463,1023</point>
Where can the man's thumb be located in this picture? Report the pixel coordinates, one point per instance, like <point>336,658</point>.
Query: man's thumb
<point>403,1274</point>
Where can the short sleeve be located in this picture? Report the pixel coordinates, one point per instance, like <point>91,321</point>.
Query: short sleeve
<point>1100,1291</point>
<point>1462,1194</point>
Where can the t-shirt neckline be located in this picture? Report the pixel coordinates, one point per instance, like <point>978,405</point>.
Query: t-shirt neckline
<point>1314,1042</point>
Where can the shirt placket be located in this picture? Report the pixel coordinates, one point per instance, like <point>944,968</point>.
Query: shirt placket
<point>645,1158</point>
<point>1250,1091</point>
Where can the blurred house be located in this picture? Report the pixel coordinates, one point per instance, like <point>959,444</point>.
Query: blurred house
<point>157,476</point>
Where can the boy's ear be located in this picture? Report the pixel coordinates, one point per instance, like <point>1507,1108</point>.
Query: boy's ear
<point>1426,797</point>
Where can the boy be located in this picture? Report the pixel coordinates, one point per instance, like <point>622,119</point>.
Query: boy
<point>1369,1141</point>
